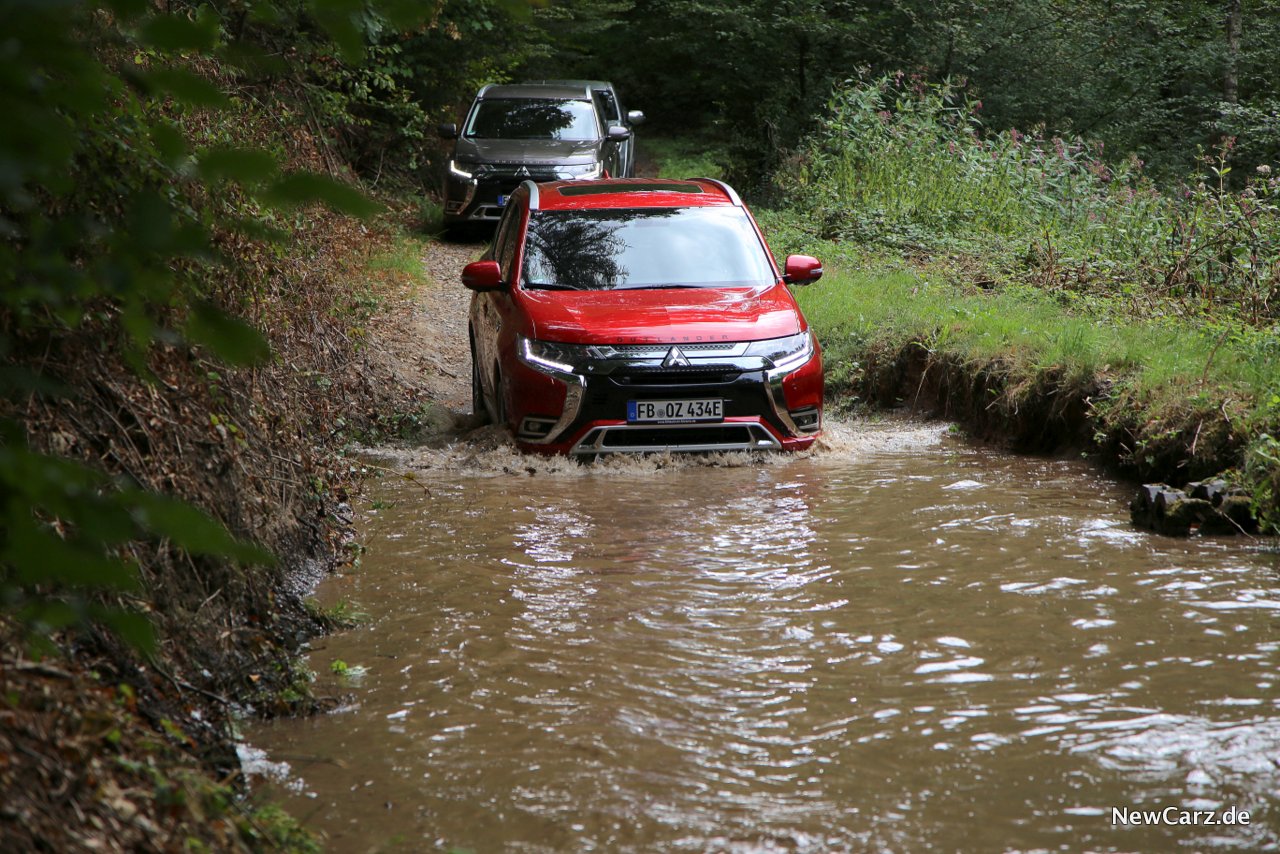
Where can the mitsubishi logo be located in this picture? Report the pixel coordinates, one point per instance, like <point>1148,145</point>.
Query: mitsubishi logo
<point>675,359</point>
<point>522,172</point>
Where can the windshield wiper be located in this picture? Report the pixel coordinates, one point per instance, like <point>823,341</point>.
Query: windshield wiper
<point>551,286</point>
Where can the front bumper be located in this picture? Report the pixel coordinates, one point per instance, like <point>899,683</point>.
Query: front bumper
<point>766,406</point>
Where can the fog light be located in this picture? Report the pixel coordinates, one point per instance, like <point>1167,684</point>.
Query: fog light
<point>807,420</point>
<point>535,427</point>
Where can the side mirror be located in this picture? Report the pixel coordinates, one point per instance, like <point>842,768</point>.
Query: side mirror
<point>635,117</point>
<point>447,130</point>
<point>617,133</point>
<point>802,269</point>
<point>482,276</point>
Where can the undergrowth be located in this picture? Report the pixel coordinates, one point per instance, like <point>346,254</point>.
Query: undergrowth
<point>908,166</point>
<point>681,158</point>
<point>1038,292</point>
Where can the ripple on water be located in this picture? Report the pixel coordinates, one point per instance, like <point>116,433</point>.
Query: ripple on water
<point>827,651</point>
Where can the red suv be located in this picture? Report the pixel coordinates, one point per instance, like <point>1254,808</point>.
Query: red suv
<point>641,315</point>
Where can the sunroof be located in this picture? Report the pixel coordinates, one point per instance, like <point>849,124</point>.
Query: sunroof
<point>588,189</point>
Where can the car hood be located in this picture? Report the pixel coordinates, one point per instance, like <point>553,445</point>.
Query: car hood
<point>663,315</point>
<point>533,152</point>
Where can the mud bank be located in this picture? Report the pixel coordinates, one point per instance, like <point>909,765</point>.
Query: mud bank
<point>1046,410</point>
<point>103,746</point>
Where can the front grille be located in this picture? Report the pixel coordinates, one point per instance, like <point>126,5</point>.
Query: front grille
<point>696,375</point>
<point>605,398</point>
<point>511,179</point>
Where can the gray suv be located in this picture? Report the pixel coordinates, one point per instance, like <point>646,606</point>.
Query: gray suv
<point>528,132</point>
<point>610,108</point>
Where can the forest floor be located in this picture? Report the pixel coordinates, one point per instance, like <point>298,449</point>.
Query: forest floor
<point>423,340</point>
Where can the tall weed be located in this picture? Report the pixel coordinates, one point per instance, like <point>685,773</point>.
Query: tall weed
<point>907,164</point>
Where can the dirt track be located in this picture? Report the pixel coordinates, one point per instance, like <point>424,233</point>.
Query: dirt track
<point>426,345</point>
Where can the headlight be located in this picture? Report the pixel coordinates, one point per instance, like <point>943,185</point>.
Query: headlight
<point>585,172</point>
<point>784,353</point>
<point>457,171</point>
<point>562,361</point>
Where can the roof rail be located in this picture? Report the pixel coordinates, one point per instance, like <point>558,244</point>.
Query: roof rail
<point>724,188</point>
<point>533,194</point>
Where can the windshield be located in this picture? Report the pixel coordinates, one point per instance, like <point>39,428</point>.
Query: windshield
<point>533,118</point>
<point>644,248</point>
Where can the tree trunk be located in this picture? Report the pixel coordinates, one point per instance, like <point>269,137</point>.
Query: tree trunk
<point>1231,82</point>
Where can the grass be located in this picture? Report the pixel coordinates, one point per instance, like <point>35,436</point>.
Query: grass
<point>1030,330</point>
<point>682,158</point>
<point>401,258</point>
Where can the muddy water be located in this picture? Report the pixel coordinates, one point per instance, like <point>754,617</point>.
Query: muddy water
<point>901,642</point>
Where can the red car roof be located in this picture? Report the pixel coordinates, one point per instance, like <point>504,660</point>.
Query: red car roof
<point>632,193</point>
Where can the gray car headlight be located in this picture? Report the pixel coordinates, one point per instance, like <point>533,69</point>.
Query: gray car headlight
<point>785,354</point>
<point>586,171</point>
<point>456,170</point>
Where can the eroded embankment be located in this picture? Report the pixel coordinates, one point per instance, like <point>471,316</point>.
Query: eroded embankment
<point>106,748</point>
<point>1162,396</point>
<point>1048,412</point>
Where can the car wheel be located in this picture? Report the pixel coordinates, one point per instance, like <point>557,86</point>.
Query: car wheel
<point>478,408</point>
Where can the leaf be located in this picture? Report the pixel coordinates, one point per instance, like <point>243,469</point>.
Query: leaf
<point>246,165</point>
<point>151,221</point>
<point>133,628</point>
<point>233,340</point>
<point>186,87</point>
<point>300,188</point>
<point>175,33</point>
<point>15,381</point>
<point>191,530</point>
<point>169,142</point>
<point>338,18</point>
<point>40,556</point>
<point>127,8</point>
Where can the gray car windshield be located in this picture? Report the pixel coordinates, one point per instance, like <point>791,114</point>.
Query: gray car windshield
<point>616,249</point>
<point>533,118</point>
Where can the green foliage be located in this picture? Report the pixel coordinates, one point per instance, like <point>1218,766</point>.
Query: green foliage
<point>906,164</point>
<point>684,158</point>
<point>1028,327</point>
<point>65,536</point>
<point>106,220</point>
<point>342,615</point>
<point>381,108</point>
<point>271,828</point>
<point>1147,77</point>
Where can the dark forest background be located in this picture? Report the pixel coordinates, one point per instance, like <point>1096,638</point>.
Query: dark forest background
<point>1162,79</point>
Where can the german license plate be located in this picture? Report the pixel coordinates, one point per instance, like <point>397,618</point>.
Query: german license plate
<point>702,409</point>
<point>502,201</point>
